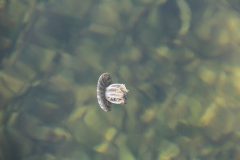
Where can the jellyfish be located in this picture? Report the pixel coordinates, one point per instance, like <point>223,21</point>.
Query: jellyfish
<point>108,93</point>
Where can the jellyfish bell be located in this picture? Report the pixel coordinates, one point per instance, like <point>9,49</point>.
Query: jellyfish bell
<point>108,93</point>
<point>103,82</point>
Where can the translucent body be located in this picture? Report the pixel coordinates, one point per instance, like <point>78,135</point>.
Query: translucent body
<point>108,93</point>
<point>116,93</point>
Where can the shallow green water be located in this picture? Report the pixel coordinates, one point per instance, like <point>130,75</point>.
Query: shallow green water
<point>178,58</point>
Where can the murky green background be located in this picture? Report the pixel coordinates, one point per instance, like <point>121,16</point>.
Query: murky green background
<point>180,59</point>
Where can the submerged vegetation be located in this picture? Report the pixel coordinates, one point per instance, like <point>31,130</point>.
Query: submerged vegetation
<point>179,58</point>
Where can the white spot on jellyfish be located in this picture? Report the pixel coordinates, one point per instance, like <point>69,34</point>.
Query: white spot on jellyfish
<point>108,93</point>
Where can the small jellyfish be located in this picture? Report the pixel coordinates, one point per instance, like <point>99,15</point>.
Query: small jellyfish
<point>108,93</point>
